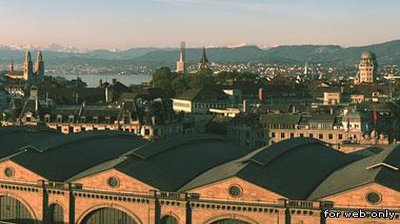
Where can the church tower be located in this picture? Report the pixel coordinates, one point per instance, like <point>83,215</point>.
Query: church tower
<point>28,66</point>
<point>11,65</point>
<point>180,65</point>
<point>39,68</point>
<point>368,68</point>
<point>203,63</point>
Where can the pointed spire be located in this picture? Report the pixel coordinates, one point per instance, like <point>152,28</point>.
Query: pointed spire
<point>203,58</point>
<point>39,67</point>
<point>28,57</point>
<point>28,68</point>
<point>39,56</point>
<point>11,65</point>
<point>181,56</point>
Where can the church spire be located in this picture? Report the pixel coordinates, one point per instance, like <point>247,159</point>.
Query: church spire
<point>180,65</point>
<point>203,64</point>
<point>11,65</point>
<point>28,66</point>
<point>39,68</point>
<point>28,57</point>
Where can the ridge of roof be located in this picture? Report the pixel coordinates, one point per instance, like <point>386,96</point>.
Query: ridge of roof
<point>357,174</point>
<point>151,150</point>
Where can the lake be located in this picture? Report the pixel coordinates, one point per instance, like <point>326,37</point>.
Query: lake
<point>92,80</point>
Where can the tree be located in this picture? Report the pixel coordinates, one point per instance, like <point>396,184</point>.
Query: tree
<point>163,78</point>
<point>201,80</point>
<point>181,83</point>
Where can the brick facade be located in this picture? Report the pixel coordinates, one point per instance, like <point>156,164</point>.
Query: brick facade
<point>145,204</point>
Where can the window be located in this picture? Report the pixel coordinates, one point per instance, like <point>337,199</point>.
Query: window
<point>235,191</point>
<point>282,135</point>
<point>320,136</point>
<point>146,131</point>
<point>311,135</point>
<point>340,136</point>
<point>9,172</point>
<point>291,135</point>
<point>330,136</point>
<point>113,182</point>
<point>272,134</point>
<point>301,135</point>
<point>47,118</point>
<point>373,198</point>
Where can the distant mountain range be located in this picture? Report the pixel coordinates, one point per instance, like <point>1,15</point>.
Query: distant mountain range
<point>387,53</point>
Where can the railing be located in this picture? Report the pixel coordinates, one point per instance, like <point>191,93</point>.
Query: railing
<point>170,195</point>
<point>302,204</point>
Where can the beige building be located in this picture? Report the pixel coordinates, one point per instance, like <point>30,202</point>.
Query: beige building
<point>332,98</point>
<point>327,128</point>
<point>368,68</point>
<point>200,101</point>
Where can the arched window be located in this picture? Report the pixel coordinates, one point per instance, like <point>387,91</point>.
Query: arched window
<point>56,214</point>
<point>107,216</point>
<point>169,220</point>
<point>229,221</point>
<point>12,210</point>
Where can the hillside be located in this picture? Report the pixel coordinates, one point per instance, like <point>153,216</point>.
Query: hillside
<point>387,53</point>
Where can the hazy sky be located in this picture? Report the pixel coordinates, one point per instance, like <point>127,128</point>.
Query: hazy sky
<point>164,23</point>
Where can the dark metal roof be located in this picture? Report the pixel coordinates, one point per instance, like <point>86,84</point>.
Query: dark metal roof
<point>379,168</point>
<point>59,158</point>
<point>292,168</point>
<point>166,165</point>
<point>299,168</point>
<point>169,165</point>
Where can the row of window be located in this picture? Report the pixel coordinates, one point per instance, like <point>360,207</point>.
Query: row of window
<point>311,135</point>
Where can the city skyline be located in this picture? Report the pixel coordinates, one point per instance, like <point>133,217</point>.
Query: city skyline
<point>126,24</point>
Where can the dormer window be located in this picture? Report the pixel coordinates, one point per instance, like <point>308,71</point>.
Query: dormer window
<point>71,118</point>
<point>59,118</point>
<point>95,119</point>
<point>82,119</point>
<point>47,118</point>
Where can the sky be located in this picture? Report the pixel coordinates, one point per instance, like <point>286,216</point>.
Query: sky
<point>123,24</point>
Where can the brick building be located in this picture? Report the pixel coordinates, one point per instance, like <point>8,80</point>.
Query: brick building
<point>113,177</point>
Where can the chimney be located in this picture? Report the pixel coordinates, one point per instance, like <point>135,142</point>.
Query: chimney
<point>114,82</point>
<point>261,96</point>
<point>293,109</point>
<point>100,82</point>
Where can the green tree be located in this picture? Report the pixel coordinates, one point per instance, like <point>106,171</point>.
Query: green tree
<point>200,80</point>
<point>163,78</point>
<point>181,83</point>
